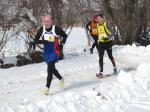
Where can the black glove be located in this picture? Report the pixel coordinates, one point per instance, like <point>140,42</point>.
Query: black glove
<point>61,46</point>
<point>34,45</point>
<point>105,39</point>
<point>90,30</point>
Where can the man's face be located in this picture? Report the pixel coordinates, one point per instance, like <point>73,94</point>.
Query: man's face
<point>47,21</point>
<point>99,19</point>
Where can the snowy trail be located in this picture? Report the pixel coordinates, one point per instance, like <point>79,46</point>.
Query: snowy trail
<point>27,84</point>
<point>20,87</point>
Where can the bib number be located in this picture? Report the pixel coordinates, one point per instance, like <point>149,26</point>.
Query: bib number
<point>94,30</point>
<point>103,35</point>
<point>49,37</point>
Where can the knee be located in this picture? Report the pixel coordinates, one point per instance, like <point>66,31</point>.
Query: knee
<point>100,59</point>
<point>111,57</point>
<point>50,76</point>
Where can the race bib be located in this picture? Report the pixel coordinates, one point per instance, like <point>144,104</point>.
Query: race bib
<point>49,37</point>
<point>102,35</point>
<point>94,30</point>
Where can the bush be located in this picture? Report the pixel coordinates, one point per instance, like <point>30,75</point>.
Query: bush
<point>7,65</point>
<point>36,57</point>
<point>23,60</point>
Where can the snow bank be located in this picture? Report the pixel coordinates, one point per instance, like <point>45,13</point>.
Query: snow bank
<point>132,55</point>
<point>130,92</point>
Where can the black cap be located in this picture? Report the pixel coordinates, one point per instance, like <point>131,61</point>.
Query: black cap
<point>100,14</point>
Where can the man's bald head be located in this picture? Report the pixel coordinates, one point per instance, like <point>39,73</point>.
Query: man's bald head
<point>47,20</point>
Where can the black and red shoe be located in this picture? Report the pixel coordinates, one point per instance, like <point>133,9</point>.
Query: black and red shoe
<point>99,75</point>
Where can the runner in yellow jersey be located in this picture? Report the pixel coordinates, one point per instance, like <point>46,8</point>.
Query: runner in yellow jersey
<point>105,34</point>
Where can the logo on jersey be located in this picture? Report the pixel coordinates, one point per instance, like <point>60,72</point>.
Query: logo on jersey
<point>49,37</point>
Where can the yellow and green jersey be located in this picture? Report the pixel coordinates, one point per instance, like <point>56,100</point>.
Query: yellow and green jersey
<point>103,33</point>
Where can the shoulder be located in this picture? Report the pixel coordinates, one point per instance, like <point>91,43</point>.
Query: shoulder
<point>40,29</point>
<point>57,28</point>
<point>107,25</point>
<point>90,22</point>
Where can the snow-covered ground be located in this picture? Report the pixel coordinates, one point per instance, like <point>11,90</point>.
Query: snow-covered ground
<point>20,87</point>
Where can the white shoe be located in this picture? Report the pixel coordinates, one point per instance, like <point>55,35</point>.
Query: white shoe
<point>61,83</point>
<point>45,91</point>
<point>115,71</point>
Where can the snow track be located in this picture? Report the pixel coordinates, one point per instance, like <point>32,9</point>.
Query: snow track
<point>20,87</point>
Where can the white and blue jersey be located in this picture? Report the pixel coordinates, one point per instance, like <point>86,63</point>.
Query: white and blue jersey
<point>50,39</point>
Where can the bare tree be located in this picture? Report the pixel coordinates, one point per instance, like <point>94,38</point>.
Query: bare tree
<point>12,23</point>
<point>7,35</point>
<point>56,7</point>
<point>129,15</point>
